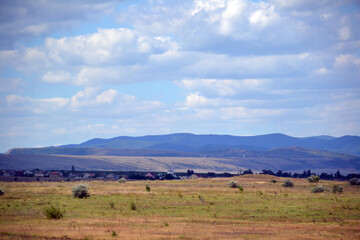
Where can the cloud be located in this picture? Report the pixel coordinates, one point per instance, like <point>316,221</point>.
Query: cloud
<point>221,87</point>
<point>347,60</point>
<point>89,102</point>
<point>107,56</point>
<point>25,20</point>
<point>208,40</point>
<point>57,77</point>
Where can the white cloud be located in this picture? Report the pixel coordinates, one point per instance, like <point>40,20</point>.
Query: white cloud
<point>322,71</point>
<point>224,87</point>
<point>89,102</point>
<point>195,100</point>
<point>57,77</point>
<point>264,16</point>
<point>207,5</point>
<point>230,16</point>
<point>108,56</point>
<point>346,60</point>
<point>16,105</point>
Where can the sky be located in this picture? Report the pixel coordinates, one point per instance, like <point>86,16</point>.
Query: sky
<point>75,70</point>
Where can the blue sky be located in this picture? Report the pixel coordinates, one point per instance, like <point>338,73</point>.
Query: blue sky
<point>75,70</point>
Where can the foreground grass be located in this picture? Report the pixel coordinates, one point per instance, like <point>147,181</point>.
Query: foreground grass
<point>187,209</point>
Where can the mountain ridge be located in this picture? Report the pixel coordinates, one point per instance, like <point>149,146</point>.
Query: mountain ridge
<point>295,159</point>
<point>189,142</point>
<point>271,151</point>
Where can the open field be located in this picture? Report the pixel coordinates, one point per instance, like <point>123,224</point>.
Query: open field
<point>187,209</point>
<point>125,163</point>
<point>291,159</point>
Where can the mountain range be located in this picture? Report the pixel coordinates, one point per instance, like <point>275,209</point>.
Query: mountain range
<point>186,142</point>
<point>271,151</point>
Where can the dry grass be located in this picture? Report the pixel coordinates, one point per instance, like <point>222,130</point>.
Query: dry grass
<point>187,209</point>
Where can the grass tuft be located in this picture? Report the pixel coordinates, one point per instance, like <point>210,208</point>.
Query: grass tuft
<point>53,212</point>
<point>337,189</point>
<point>132,206</point>
<point>318,189</point>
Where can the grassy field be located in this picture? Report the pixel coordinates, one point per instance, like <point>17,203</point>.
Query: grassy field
<point>186,209</point>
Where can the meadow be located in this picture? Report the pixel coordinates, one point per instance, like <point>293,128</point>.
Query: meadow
<point>182,209</point>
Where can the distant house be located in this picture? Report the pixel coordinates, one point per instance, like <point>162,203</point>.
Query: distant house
<point>161,176</point>
<point>194,176</point>
<point>55,174</point>
<point>38,174</point>
<point>75,175</point>
<point>28,173</point>
<point>9,174</point>
<point>89,175</point>
<point>172,174</point>
<point>110,176</point>
<point>150,176</point>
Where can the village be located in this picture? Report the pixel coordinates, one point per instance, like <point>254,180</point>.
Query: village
<point>72,175</point>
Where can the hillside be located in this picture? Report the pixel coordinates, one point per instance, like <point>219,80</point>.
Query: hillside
<point>214,152</point>
<point>293,159</point>
<point>186,142</point>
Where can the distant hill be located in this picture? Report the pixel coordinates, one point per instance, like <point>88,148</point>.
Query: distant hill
<point>186,142</point>
<point>272,151</point>
<point>293,159</point>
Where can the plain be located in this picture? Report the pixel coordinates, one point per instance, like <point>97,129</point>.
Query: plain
<point>183,209</point>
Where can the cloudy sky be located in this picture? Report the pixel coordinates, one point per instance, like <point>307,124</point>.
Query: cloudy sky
<point>75,70</point>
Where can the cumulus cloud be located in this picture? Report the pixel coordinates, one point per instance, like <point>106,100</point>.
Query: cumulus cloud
<point>27,19</point>
<point>110,55</point>
<point>245,26</point>
<point>209,39</point>
<point>90,102</point>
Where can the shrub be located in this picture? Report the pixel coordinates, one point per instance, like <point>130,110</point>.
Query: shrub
<point>201,198</point>
<point>112,204</point>
<point>80,191</point>
<point>147,188</point>
<point>53,212</point>
<point>288,183</point>
<point>354,181</point>
<point>232,184</point>
<point>313,179</point>
<point>113,233</point>
<point>133,205</point>
<point>122,180</point>
<point>1,192</point>
<point>318,189</point>
<point>241,189</point>
<point>273,181</point>
<point>337,189</point>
